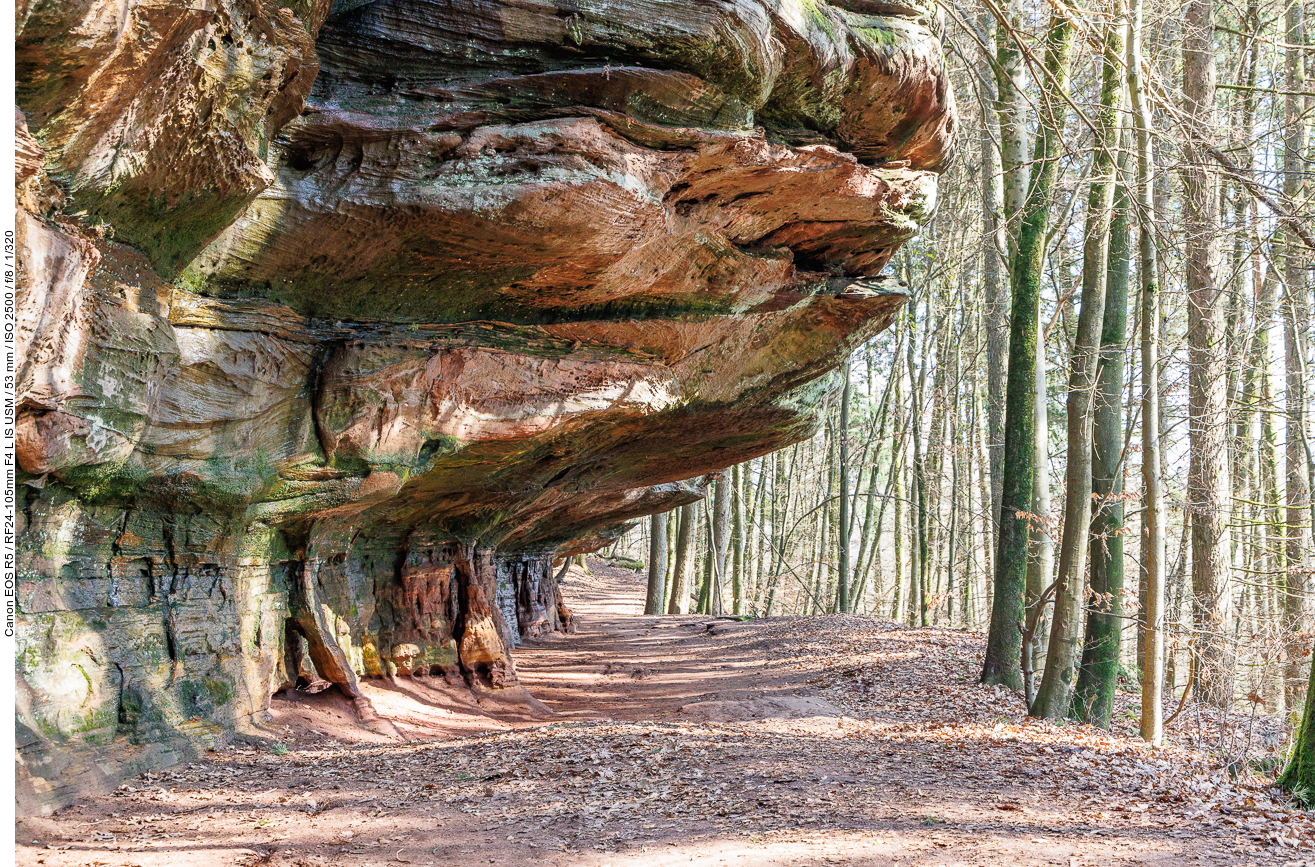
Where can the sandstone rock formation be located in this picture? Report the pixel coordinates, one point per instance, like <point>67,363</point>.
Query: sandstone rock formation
<point>339,319</point>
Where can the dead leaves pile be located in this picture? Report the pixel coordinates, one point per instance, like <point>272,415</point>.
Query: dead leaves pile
<point>567,786</point>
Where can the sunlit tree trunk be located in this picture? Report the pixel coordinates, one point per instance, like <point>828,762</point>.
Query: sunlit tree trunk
<point>1296,332</point>
<point>919,553</point>
<point>720,539</point>
<point>1041,563</point>
<point>657,564</point>
<point>869,551</point>
<point>739,500</point>
<point>1208,484</point>
<point>684,569</point>
<point>897,475</point>
<point>996,235</point>
<point>1153,644</point>
<point>842,472</point>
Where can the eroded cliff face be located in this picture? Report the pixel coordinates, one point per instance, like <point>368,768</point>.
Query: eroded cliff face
<point>338,320</point>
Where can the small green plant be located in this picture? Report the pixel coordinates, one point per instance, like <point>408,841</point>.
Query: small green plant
<point>1303,796</point>
<point>278,749</point>
<point>933,820</point>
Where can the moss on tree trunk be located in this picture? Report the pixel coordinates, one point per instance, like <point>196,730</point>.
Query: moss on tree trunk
<point>1098,672</point>
<point>1299,777</point>
<point>1004,640</point>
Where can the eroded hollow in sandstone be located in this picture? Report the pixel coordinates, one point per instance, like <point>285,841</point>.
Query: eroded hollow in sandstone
<point>337,321</point>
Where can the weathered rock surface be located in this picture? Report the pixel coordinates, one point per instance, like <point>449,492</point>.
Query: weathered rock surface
<point>338,320</point>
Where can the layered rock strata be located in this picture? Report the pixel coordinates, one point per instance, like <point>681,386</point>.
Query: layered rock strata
<point>338,320</point>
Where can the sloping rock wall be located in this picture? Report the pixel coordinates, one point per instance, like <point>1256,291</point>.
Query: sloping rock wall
<point>338,319</point>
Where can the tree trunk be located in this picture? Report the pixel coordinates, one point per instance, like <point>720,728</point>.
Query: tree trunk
<point>1013,110</point>
<point>952,537</point>
<point>721,537</point>
<point>761,542</point>
<point>1153,645</point>
<point>1296,330</point>
<point>1011,135</point>
<point>1041,563</point>
<point>1055,692</point>
<point>1098,673</point>
<point>1299,776</point>
<point>897,598</point>
<point>704,604</point>
<point>843,528</point>
<point>919,553</point>
<point>869,550</point>
<point>1208,485</point>
<point>739,500</point>
<point>1003,662</point>
<point>657,564</point>
<point>780,512</point>
<point>680,584</point>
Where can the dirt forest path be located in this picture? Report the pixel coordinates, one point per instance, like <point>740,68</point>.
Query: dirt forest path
<point>786,741</point>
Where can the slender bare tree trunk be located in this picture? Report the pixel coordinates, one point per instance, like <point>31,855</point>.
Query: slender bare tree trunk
<point>739,501</point>
<point>780,514</point>
<point>1041,563</point>
<point>842,471</point>
<point>1102,645</point>
<point>1208,485</point>
<point>1296,331</point>
<point>657,564</point>
<point>996,240</point>
<point>721,524</point>
<point>680,585</point>
<point>869,550</point>
<point>1013,110</point>
<point>920,551</point>
<point>1152,680</point>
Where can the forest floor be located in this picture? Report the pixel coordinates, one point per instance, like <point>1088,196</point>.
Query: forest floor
<point>677,740</point>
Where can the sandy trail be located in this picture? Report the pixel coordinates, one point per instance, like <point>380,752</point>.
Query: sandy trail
<point>791,741</point>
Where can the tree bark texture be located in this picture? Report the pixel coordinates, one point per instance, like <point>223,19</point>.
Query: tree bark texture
<point>1208,484</point>
<point>1153,644</point>
<point>1098,672</point>
<point>843,528</point>
<point>657,565</point>
<point>684,569</point>
<point>1296,335</point>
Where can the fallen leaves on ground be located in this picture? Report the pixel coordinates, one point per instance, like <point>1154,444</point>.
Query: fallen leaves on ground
<point>921,762</point>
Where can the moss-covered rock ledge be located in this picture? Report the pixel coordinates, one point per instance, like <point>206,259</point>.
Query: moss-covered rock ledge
<point>337,320</point>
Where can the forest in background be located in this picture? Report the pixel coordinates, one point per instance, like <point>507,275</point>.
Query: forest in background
<point>1088,434</point>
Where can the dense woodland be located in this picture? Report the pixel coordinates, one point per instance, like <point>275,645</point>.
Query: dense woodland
<point>1089,434</point>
